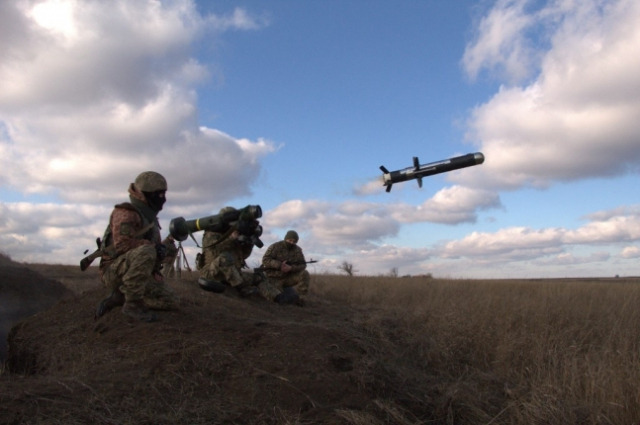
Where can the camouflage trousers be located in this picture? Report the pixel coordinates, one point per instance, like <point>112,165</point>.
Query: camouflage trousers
<point>272,287</point>
<point>132,274</point>
<point>223,268</point>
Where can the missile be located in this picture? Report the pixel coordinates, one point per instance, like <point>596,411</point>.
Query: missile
<point>419,171</point>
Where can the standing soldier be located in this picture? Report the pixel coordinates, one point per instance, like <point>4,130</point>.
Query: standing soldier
<point>132,252</point>
<point>286,269</point>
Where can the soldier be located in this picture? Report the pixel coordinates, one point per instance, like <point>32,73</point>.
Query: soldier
<point>132,252</point>
<point>223,258</point>
<point>285,267</point>
<point>168,264</point>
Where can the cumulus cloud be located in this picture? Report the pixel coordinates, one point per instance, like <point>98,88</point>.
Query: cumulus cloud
<point>359,224</point>
<point>568,259</point>
<point>40,233</point>
<point>577,118</point>
<point>501,42</point>
<point>526,243</point>
<point>630,252</point>
<point>549,249</point>
<point>451,205</point>
<point>93,93</point>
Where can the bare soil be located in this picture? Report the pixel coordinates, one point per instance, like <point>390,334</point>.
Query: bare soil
<point>218,359</point>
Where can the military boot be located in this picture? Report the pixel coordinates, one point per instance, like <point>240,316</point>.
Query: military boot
<point>246,290</point>
<point>139,311</point>
<point>211,285</point>
<point>116,299</point>
<point>288,296</point>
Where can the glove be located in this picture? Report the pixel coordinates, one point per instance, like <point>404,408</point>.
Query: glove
<point>161,251</point>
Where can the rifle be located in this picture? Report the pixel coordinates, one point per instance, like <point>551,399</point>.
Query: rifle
<point>296,263</point>
<point>299,263</point>
<point>86,261</point>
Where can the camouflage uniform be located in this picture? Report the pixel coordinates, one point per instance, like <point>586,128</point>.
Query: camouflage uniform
<point>223,261</point>
<point>272,261</point>
<point>130,263</point>
<point>168,264</point>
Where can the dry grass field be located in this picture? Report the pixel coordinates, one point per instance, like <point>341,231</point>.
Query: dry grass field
<point>511,352</point>
<point>364,350</point>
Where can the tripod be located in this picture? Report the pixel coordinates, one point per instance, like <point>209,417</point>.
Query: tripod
<point>180,258</point>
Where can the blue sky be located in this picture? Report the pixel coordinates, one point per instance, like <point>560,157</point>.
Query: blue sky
<point>294,105</point>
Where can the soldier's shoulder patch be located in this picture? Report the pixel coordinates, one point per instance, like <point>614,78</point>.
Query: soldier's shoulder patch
<point>125,229</point>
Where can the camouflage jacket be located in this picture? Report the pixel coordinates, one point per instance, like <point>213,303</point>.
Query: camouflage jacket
<point>127,226</point>
<point>211,248</point>
<point>279,252</point>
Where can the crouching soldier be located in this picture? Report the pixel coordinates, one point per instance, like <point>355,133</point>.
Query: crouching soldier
<point>222,260</point>
<point>286,270</point>
<point>132,253</point>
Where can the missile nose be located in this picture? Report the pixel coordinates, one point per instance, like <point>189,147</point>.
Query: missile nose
<point>478,157</point>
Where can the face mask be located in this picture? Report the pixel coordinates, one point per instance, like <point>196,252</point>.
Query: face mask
<point>290,245</point>
<point>155,199</point>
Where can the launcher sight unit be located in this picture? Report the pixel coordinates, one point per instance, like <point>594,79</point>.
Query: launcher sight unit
<point>244,220</point>
<point>419,171</point>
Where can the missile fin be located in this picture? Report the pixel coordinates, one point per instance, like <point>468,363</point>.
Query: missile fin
<point>419,182</point>
<point>416,163</point>
<point>384,169</point>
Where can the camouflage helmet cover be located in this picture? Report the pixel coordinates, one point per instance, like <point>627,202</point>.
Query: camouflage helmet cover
<point>291,234</point>
<point>150,181</point>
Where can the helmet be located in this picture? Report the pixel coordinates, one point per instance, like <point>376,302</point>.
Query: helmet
<point>291,234</point>
<point>150,181</point>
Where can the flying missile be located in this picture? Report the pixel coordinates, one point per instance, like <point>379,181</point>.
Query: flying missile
<point>419,171</point>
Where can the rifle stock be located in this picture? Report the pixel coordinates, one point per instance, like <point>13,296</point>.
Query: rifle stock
<point>86,261</point>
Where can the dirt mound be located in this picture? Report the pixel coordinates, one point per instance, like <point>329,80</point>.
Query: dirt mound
<point>23,292</point>
<point>217,359</point>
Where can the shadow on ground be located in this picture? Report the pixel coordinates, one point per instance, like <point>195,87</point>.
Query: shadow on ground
<point>217,359</point>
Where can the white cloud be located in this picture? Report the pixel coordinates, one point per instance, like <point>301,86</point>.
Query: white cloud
<point>451,205</point>
<point>49,233</point>
<point>501,42</point>
<point>568,259</point>
<point>578,118</point>
<point>522,243</point>
<point>510,243</point>
<point>93,93</point>
<point>295,212</point>
<point>239,19</point>
<point>630,252</point>
<point>355,225</point>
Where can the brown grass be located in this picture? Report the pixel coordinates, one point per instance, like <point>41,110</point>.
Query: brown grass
<point>510,352</point>
<point>365,350</point>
